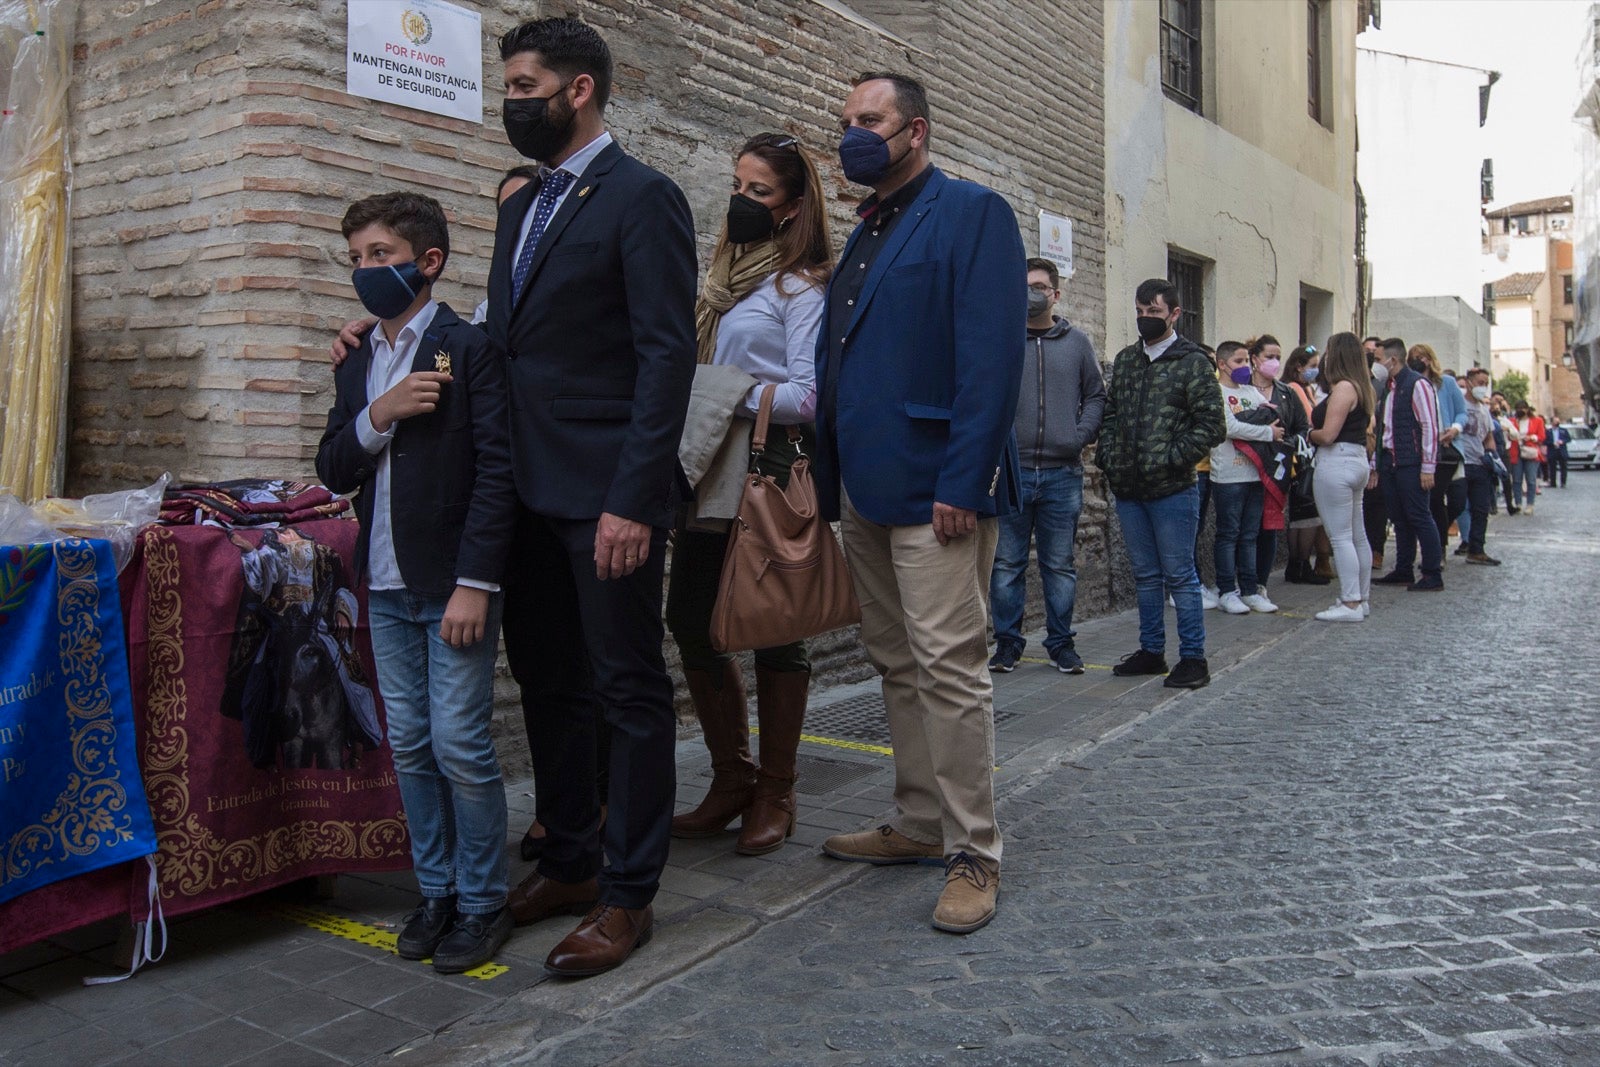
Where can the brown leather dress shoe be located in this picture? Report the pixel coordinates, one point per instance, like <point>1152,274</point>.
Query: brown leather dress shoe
<point>537,897</point>
<point>607,936</point>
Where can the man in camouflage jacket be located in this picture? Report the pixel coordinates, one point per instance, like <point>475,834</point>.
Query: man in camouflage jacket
<point>1163,415</point>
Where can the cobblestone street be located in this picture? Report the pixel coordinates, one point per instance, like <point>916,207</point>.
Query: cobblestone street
<point>1368,844</point>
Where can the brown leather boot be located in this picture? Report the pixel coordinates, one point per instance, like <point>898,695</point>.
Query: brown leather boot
<point>719,704</point>
<point>781,710</point>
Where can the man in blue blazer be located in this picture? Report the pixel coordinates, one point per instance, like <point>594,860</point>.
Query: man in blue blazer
<point>918,367</point>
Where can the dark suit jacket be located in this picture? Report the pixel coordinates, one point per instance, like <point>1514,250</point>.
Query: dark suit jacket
<point>451,499</point>
<point>601,344</point>
<point>929,373</point>
<point>1555,440</point>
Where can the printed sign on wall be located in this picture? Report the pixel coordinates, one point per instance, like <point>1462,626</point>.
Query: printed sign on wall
<point>425,54</point>
<point>1055,241</point>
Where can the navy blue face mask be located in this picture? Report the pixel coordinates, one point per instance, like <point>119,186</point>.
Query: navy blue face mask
<point>865,156</point>
<point>388,290</point>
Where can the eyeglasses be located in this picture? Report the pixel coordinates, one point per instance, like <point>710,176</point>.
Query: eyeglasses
<point>1042,288</point>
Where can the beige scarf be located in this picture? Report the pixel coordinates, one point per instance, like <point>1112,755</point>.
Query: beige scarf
<point>730,279</point>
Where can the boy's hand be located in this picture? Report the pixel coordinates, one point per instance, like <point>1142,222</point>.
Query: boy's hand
<point>465,617</point>
<point>1277,433</point>
<point>417,394</point>
<point>350,337</point>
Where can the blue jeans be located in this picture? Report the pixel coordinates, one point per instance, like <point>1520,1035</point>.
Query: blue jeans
<point>1159,535</point>
<point>1239,506</point>
<point>1526,474</point>
<point>1052,499</point>
<point>439,701</point>
<point>1202,481</point>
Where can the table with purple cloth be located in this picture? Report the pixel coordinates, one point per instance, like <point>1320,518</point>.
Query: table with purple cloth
<point>260,735</point>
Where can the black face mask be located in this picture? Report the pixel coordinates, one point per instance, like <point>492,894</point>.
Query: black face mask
<point>1151,328</point>
<point>530,129</point>
<point>749,220</point>
<point>1418,365</point>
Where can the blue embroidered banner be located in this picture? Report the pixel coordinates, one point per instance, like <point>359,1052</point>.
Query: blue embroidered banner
<point>71,795</point>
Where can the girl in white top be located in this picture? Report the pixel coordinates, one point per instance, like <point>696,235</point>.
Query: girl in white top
<point>759,310</point>
<point>1237,493</point>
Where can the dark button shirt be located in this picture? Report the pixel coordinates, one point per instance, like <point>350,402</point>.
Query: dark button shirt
<point>878,218</point>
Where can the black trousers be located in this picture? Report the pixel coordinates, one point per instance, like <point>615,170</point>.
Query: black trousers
<point>1448,497</point>
<point>1375,516</point>
<point>1556,465</point>
<point>1413,523</point>
<point>1480,494</point>
<point>587,656</point>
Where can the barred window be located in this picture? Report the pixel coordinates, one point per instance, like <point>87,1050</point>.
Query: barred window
<point>1180,51</point>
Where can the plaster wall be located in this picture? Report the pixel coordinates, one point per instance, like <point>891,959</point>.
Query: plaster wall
<point>1253,186</point>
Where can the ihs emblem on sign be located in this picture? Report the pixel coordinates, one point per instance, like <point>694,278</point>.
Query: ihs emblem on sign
<point>441,362</point>
<point>416,26</point>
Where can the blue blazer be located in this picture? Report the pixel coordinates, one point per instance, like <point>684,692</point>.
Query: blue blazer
<point>928,375</point>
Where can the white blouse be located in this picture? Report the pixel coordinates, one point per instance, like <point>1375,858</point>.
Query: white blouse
<point>772,334</point>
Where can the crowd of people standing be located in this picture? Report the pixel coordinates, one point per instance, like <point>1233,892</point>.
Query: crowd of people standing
<point>529,478</point>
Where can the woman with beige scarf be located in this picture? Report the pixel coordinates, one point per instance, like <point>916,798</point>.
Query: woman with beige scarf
<point>760,311</point>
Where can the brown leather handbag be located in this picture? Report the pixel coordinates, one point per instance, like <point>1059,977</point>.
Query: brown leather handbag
<point>783,578</point>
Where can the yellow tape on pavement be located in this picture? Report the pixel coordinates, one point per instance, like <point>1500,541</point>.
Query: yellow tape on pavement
<point>360,933</point>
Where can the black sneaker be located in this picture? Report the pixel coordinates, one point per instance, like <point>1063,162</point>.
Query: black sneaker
<point>1461,549</point>
<point>473,942</point>
<point>1189,674</point>
<point>1395,578</point>
<point>425,927</point>
<point>1005,658</point>
<point>1140,662</point>
<point>1068,661</point>
<point>1426,585</point>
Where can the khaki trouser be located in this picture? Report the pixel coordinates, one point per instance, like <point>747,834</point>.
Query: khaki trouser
<point>924,616</point>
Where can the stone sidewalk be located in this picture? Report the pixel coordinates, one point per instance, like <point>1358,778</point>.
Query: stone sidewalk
<point>1094,855</point>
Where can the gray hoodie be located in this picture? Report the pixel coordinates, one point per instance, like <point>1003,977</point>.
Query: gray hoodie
<point>1062,400</point>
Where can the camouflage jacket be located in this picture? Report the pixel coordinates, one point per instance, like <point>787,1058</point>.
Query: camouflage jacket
<point>1161,418</point>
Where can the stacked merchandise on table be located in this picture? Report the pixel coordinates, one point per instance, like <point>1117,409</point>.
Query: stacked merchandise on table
<point>249,502</point>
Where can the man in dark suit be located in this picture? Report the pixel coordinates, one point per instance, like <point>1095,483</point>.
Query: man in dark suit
<point>591,294</point>
<point>1556,437</point>
<point>918,367</point>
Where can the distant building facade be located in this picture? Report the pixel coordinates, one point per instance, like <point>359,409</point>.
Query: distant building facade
<point>1528,267</point>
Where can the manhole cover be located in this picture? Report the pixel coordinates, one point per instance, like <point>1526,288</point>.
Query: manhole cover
<point>816,776</point>
<point>862,718</point>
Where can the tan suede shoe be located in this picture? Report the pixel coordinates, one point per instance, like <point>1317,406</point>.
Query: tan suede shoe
<point>883,846</point>
<point>971,887</point>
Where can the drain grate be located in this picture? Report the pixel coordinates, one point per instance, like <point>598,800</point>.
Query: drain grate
<point>816,775</point>
<point>862,718</point>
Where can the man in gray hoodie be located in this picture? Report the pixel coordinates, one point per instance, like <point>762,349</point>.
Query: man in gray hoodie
<point>1058,414</point>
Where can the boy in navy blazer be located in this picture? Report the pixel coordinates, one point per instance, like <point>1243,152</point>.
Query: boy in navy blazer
<point>419,431</point>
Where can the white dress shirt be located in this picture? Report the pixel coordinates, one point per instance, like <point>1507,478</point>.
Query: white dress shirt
<point>773,335</point>
<point>575,166</point>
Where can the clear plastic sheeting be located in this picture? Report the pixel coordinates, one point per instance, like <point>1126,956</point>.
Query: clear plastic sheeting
<point>114,517</point>
<point>35,288</point>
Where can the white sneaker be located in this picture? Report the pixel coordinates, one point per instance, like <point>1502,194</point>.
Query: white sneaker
<point>1366,608</point>
<point>1170,602</point>
<point>1231,603</point>
<point>1341,613</point>
<point>1209,598</point>
<point>1259,602</point>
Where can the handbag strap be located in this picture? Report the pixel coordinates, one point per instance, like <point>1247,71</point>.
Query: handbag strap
<point>758,436</point>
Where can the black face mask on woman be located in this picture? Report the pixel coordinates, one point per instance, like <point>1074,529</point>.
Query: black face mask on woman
<point>749,220</point>
<point>529,127</point>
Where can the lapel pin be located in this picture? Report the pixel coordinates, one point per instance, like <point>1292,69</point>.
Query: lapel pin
<point>441,362</point>
<point>585,190</point>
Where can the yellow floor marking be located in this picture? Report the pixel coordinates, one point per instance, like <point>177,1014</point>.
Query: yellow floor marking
<point>361,933</point>
<point>855,746</point>
<point>1051,662</point>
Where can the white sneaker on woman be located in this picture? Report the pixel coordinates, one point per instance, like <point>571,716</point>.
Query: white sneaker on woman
<point>1259,602</point>
<point>1341,613</point>
<point>1209,599</point>
<point>1366,608</point>
<point>1231,603</point>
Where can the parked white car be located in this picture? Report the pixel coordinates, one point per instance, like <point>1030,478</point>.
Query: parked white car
<point>1581,449</point>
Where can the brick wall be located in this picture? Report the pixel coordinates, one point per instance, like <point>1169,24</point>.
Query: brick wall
<point>215,151</point>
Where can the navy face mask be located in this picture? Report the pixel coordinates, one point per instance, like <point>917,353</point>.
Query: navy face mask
<point>865,156</point>
<point>388,290</point>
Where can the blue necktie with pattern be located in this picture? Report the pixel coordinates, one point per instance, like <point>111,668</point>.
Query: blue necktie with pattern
<point>555,183</point>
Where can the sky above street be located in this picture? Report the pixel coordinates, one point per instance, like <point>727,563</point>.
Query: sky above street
<point>1534,45</point>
